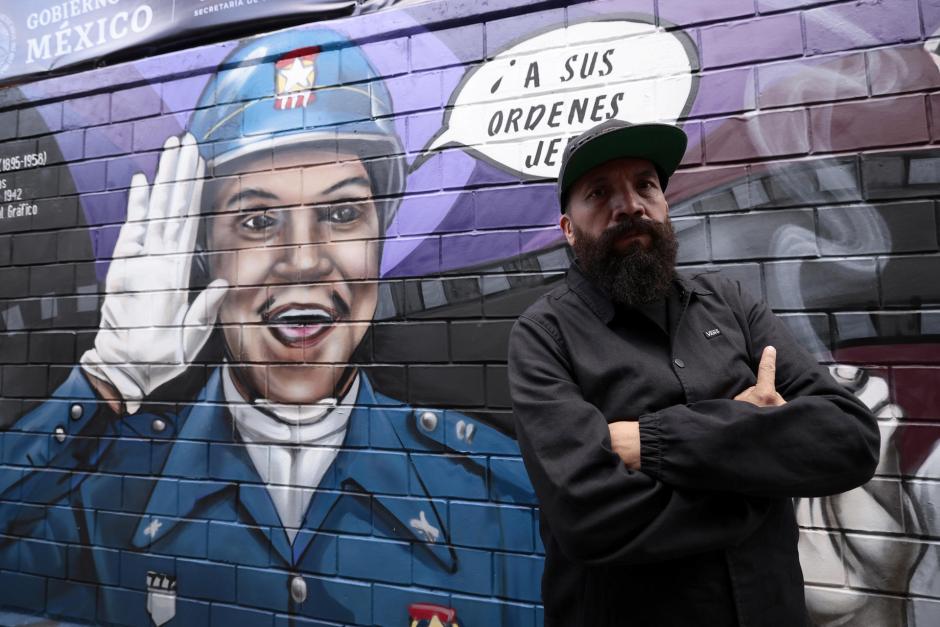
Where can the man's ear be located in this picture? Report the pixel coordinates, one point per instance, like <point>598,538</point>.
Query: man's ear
<point>567,228</point>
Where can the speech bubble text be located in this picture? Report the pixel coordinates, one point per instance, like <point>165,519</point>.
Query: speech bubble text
<point>518,109</point>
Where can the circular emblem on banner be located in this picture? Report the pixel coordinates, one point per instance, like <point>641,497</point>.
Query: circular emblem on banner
<point>7,42</point>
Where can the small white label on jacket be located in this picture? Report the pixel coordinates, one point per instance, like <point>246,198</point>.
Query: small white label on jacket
<point>712,333</point>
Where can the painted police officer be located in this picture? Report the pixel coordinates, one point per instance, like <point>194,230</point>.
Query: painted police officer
<point>288,485</point>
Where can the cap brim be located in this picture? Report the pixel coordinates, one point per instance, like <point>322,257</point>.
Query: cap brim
<point>662,144</point>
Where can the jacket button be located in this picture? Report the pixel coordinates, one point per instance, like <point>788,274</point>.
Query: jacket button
<point>298,589</point>
<point>59,434</point>
<point>465,431</point>
<point>158,425</point>
<point>75,411</point>
<point>678,362</point>
<point>428,420</point>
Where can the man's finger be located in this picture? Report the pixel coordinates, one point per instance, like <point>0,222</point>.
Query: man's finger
<point>187,236</point>
<point>160,193</point>
<point>767,371</point>
<point>180,192</point>
<point>134,230</point>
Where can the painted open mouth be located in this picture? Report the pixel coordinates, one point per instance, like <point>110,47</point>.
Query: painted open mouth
<point>300,325</point>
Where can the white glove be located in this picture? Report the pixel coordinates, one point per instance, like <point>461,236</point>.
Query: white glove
<point>149,331</point>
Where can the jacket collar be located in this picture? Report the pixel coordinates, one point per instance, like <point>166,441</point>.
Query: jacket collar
<point>600,303</point>
<point>417,517</point>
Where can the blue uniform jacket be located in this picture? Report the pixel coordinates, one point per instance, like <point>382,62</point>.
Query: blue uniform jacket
<point>110,519</point>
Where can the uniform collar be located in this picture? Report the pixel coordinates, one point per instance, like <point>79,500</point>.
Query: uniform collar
<point>353,470</point>
<point>600,303</point>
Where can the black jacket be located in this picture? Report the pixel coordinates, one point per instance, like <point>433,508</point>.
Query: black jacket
<point>704,533</point>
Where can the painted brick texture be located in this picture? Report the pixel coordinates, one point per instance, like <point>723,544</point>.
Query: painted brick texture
<point>373,277</point>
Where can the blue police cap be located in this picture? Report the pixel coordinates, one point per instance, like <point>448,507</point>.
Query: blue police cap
<point>295,89</point>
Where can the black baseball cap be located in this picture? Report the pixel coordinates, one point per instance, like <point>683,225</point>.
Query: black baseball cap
<point>661,144</point>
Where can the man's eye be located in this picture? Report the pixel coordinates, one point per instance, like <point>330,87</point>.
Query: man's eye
<point>259,222</point>
<point>344,214</point>
<point>596,193</point>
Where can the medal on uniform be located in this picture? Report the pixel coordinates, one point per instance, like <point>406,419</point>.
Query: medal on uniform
<point>161,597</point>
<point>430,615</point>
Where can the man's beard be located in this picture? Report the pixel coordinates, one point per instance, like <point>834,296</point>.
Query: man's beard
<point>636,275</point>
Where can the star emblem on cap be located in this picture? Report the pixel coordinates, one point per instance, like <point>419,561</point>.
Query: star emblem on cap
<point>294,78</point>
<point>297,76</point>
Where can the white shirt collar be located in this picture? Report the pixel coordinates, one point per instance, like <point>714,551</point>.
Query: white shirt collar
<point>291,446</point>
<point>267,422</point>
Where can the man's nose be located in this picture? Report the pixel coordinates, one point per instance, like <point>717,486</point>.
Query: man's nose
<point>627,204</point>
<point>305,254</point>
<point>308,259</point>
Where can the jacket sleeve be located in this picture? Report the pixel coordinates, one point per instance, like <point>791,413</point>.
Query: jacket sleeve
<point>44,452</point>
<point>821,442</point>
<point>598,510</point>
<point>47,432</point>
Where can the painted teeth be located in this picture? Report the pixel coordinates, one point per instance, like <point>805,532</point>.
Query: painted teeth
<point>301,316</point>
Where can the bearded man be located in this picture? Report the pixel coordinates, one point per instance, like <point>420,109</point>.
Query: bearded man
<point>666,423</point>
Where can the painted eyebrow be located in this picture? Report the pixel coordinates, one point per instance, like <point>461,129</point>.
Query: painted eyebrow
<point>348,182</point>
<point>251,193</point>
<point>254,193</point>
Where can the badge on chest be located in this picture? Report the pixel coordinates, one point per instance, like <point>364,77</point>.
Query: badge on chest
<point>161,597</point>
<point>430,615</point>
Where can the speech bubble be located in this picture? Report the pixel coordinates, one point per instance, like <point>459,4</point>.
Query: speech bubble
<point>518,110</point>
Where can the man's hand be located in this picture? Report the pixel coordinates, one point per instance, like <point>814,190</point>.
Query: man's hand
<point>150,331</point>
<point>625,441</point>
<point>764,393</point>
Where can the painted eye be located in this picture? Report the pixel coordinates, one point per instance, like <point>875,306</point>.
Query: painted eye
<point>344,214</point>
<point>259,222</point>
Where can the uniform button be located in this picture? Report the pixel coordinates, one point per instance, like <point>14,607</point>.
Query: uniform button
<point>298,589</point>
<point>75,411</point>
<point>678,362</point>
<point>158,425</point>
<point>428,420</point>
<point>465,431</point>
<point>59,434</point>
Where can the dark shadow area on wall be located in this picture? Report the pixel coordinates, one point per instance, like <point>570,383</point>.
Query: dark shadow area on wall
<point>457,331</point>
<point>48,289</point>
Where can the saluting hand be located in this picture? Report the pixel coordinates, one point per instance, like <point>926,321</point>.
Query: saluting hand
<point>764,392</point>
<point>150,329</point>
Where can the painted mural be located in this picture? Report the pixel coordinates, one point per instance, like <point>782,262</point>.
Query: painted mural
<point>255,298</point>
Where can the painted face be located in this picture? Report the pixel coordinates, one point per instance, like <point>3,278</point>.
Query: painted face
<point>615,192</point>
<point>298,248</point>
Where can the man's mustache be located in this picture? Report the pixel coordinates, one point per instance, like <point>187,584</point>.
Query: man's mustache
<point>630,226</point>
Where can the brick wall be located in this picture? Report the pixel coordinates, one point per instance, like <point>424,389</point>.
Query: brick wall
<point>384,264</point>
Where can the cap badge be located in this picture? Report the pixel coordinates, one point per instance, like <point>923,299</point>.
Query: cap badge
<point>294,77</point>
